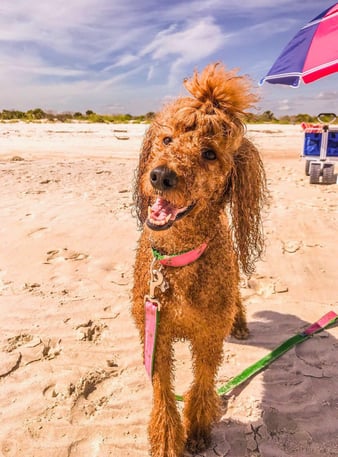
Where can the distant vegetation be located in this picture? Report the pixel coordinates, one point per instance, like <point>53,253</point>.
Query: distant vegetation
<point>269,117</point>
<point>38,115</point>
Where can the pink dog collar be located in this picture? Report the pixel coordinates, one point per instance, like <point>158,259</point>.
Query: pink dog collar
<point>180,260</point>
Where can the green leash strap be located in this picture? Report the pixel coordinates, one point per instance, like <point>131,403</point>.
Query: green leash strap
<point>324,322</point>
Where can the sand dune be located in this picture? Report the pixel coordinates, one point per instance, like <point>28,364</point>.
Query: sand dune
<point>71,375</point>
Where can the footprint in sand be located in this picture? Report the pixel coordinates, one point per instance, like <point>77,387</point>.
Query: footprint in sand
<point>58,255</point>
<point>91,393</point>
<point>32,349</point>
<point>85,397</point>
<point>18,340</point>
<point>90,331</point>
<point>85,448</point>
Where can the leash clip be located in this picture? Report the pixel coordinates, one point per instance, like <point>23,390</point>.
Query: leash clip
<point>156,280</point>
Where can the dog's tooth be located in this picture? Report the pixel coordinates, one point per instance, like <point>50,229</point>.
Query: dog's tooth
<point>167,219</point>
<point>153,221</point>
<point>156,222</point>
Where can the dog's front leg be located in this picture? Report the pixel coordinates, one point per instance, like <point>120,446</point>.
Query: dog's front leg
<point>202,404</point>
<point>165,428</point>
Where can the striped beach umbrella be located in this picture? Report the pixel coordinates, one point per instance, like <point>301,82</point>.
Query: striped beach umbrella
<point>311,54</point>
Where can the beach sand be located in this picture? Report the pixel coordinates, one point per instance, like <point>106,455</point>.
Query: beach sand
<point>72,382</point>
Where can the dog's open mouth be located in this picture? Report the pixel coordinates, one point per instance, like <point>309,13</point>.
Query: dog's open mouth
<point>162,214</point>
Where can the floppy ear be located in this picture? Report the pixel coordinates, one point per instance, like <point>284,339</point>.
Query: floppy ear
<point>247,193</point>
<point>140,201</point>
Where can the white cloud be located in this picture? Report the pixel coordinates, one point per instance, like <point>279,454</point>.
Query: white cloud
<point>327,95</point>
<point>87,30</point>
<point>150,72</point>
<point>198,40</point>
<point>184,46</point>
<point>28,68</point>
<point>123,60</point>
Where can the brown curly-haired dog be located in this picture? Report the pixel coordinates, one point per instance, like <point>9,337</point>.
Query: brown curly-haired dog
<point>194,163</point>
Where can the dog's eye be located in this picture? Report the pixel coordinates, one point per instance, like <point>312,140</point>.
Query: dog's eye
<point>167,140</point>
<point>209,154</point>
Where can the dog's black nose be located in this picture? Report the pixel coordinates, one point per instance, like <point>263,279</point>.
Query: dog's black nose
<point>162,178</point>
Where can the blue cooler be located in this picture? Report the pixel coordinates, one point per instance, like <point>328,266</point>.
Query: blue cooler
<point>332,144</point>
<point>312,143</point>
<point>321,150</point>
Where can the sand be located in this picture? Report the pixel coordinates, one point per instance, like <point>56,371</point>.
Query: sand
<point>72,383</point>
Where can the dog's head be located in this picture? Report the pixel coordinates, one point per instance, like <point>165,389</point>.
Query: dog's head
<point>194,159</point>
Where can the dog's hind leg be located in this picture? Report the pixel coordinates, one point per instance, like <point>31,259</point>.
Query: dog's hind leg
<point>240,328</point>
<point>165,430</point>
<point>202,404</point>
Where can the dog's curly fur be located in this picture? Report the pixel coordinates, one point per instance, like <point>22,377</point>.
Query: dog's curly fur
<point>213,170</point>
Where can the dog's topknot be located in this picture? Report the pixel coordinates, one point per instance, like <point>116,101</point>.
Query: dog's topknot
<point>223,88</point>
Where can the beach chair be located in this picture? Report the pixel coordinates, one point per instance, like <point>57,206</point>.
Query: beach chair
<point>321,149</point>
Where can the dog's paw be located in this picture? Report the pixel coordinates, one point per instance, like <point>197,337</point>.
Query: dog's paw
<point>240,333</point>
<point>198,443</point>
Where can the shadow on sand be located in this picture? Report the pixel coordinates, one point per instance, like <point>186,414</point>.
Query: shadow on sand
<point>299,400</point>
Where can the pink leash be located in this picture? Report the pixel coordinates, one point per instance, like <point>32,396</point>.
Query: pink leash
<point>152,316</point>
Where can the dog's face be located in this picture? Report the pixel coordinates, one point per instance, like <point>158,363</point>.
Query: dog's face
<point>194,161</point>
<point>190,158</point>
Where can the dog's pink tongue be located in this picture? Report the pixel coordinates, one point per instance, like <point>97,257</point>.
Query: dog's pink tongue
<point>161,210</point>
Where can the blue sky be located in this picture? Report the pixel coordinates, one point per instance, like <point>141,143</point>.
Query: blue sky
<point>130,56</point>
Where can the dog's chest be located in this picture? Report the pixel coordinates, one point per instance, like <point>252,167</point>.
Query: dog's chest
<point>181,290</point>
